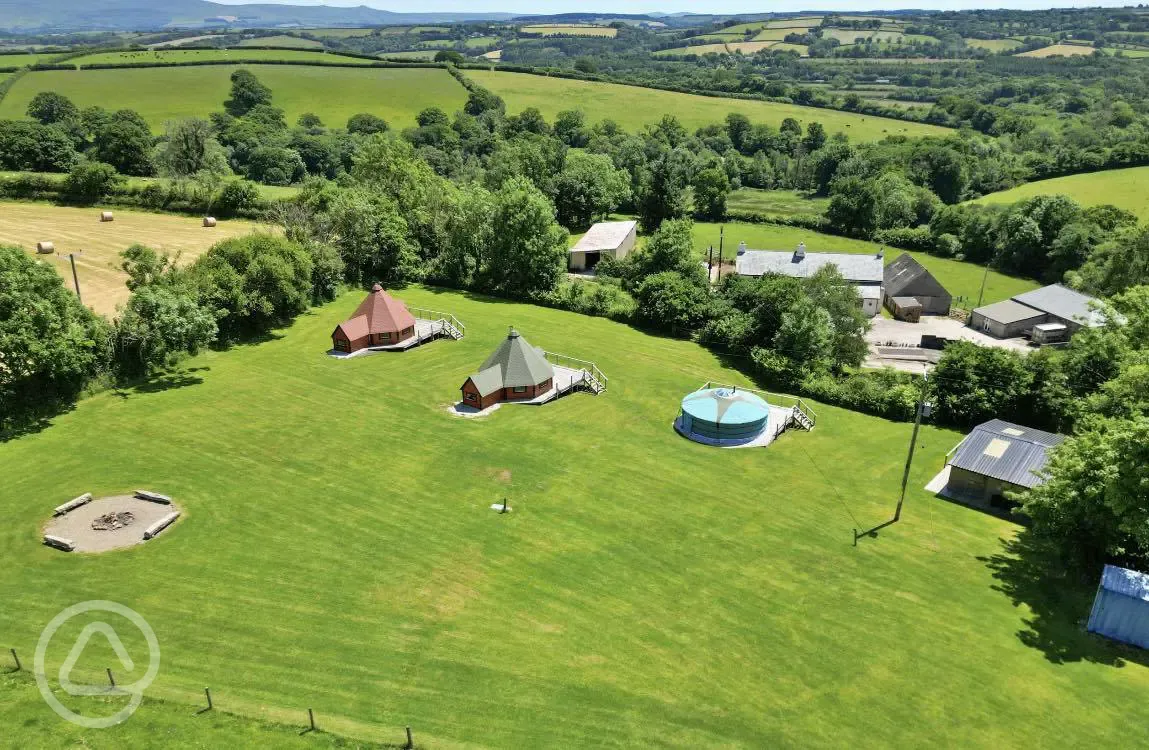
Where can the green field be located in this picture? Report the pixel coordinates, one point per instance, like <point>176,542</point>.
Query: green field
<point>478,42</point>
<point>960,278</point>
<point>994,45</point>
<point>634,107</point>
<point>339,33</point>
<point>417,54</point>
<point>776,202</point>
<point>570,29</point>
<point>189,55</point>
<point>338,552</point>
<point>1124,188</point>
<point>282,40</point>
<point>161,94</point>
<point>31,58</point>
<point>1064,50</point>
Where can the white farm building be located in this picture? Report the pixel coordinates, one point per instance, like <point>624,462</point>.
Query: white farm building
<point>865,272</point>
<point>606,238</point>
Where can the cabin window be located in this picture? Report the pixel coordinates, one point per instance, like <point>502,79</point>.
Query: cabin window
<point>520,389</point>
<point>471,396</point>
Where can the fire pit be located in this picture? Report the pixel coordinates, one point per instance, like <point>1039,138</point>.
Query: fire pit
<point>113,521</point>
<point>108,523</point>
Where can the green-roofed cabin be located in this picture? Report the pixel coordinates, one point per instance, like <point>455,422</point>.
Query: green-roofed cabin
<point>516,371</point>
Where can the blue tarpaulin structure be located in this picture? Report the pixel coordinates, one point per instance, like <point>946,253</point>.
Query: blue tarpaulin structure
<point>1121,609</point>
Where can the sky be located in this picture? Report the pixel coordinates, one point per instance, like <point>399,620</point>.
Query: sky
<point>543,7</point>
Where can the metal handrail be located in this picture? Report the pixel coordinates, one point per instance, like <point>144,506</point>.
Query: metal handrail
<point>438,315</point>
<point>767,395</point>
<point>595,372</point>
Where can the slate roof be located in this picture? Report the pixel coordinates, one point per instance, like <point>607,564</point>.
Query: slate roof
<point>515,363</point>
<point>905,277</point>
<point>1063,303</point>
<point>1005,451</point>
<point>1125,581</point>
<point>1008,311</point>
<point>856,268</point>
<point>378,313</point>
<point>605,235</point>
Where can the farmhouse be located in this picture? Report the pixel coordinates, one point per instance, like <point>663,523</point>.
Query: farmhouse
<point>380,320</point>
<point>863,271</point>
<point>997,456</point>
<point>1059,311</point>
<point>1121,608</point>
<point>606,238</point>
<point>910,291</point>
<point>515,371</point>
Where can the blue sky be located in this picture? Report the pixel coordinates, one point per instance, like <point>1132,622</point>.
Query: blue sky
<point>673,6</point>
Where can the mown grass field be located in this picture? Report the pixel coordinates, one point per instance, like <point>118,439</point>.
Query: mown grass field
<point>30,58</point>
<point>282,40</point>
<point>161,94</point>
<point>177,55</point>
<point>1065,50</point>
<point>1124,188</point>
<point>776,202</point>
<point>571,29</point>
<point>269,192</point>
<point>338,552</point>
<point>993,45</point>
<point>339,33</point>
<point>634,107</point>
<point>98,265</point>
<point>960,278</point>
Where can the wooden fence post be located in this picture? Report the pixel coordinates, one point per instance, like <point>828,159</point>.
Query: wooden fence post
<point>311,718</point>
<point>410,741</point>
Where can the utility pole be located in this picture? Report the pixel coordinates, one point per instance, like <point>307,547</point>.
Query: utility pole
<point>75,277</point>
<point>981,294</point>
<point>922,406</point>
<point>710,263</point>
<point>721,237</point>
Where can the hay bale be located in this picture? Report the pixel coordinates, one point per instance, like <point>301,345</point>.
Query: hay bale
<point>45,247</point>
<point>73,504</point>
<point>153,497</point>
<point>161,524</point>
<point>209,221</point>
<point>59,542</point>
<point>106,216</point>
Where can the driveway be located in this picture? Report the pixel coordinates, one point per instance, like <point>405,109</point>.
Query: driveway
<point>896,343</point>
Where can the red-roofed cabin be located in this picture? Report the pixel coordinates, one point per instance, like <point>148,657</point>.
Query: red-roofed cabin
<point>380,320</point>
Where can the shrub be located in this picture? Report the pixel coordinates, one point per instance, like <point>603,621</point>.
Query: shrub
<point>236,197</point>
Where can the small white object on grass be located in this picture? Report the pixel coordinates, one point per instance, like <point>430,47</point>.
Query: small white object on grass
<point>501,508</point>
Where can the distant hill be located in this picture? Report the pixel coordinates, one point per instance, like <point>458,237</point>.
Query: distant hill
<point>142,15</point>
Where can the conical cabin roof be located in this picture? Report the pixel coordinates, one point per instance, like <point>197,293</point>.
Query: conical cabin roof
<point>514,364</point>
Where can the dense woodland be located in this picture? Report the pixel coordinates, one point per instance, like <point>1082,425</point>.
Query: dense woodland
<point>484,200</point>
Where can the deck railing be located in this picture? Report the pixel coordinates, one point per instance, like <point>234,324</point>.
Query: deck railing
<point>426,314</point>
<point>780,399</point>
<point>574,363</point>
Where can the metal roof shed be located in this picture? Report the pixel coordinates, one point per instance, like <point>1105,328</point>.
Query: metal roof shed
<point>1121,608</point>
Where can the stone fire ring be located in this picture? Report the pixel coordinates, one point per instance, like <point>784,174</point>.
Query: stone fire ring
<point>76,525</point>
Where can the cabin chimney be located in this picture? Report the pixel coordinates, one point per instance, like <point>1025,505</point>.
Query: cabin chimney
<point>800,253</point>
<point>881,253</point>
<point>741,248</point>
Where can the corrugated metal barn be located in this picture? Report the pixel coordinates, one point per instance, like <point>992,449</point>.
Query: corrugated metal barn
<point>1121,609</point>
<point>995,458</point>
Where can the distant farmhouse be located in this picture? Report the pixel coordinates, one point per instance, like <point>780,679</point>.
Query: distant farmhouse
<point>910,291</point>
<point>1051,313</point>
<point>863,271</point>
<point>613,239</point>
<point>997,457</point>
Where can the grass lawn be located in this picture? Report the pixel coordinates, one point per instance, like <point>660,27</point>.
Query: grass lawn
<point>1125,188</point>
<point>76,229</point>
<point>338,552</point>
<point>161,94</point>
<point>634,107</point>
<point>960,278</point>
<point>776,202</point>
<point>282,40</point>
<point>177,55</point>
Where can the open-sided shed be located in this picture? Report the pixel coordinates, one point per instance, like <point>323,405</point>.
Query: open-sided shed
<point>1121,608</point>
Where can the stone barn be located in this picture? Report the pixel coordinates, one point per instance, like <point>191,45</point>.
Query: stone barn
<point>995,458</point>
<point>516,371</point>
<point>906,278</point>
<point>380,320</point>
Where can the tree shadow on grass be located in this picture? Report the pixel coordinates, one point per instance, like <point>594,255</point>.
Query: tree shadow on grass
<point>1059,601</point>
<point>165,381</point>
<point>34,424</point>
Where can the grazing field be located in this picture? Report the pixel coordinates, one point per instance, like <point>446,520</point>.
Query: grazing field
<point>495,54</point>
<point>805,22</point>
<point>31,58</point>
<point>340,33</point>
<point>1124,188</point>
<point>193,55</point>
<point>696,49</point>
<point>283,40</point>
<point>749,48</point>
<point>572,29</point>
<point>1065,50</point>
<point>478,42</point>
<point>629,600</point>
<point>79,230</point>
<point>776,202</point>
<point>994,45</point>
<point>848,36</point>
<point>960,278</point>
<point>268,192</point>
<point>333,93</point>
<point>775,35</point>
<point>634,107</point>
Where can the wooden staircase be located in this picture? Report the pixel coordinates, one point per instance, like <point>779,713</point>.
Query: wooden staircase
<point>801,418</point>
<point>450,330</point>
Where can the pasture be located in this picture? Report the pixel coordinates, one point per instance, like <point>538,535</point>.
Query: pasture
<point>570,29</point>
<point>79,230</point>
<point>1124,188</point>
<point>282,40</point>
<point>993,45</point>
<point>25,59</point>
<point>645,591</point>
<point>634,107</point>
<point>339,33</point>
<point>334,93</point>
<point>776,202</point>
<point>168,55</point>
<point>960,278</point>
<point>1064,50</point>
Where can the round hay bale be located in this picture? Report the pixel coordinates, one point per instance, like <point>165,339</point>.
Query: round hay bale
<point>209,221</point>
<point>106,216</point>
<point>45,247</point>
